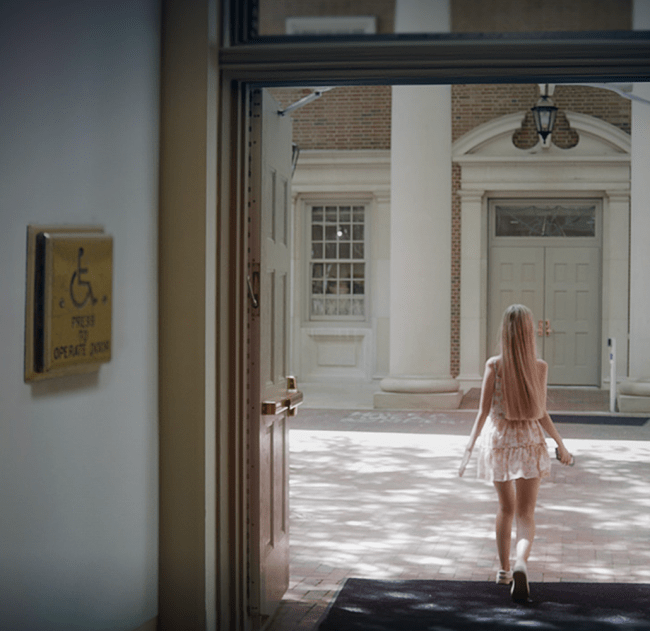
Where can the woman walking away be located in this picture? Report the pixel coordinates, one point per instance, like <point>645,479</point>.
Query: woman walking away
<point>513,452</point>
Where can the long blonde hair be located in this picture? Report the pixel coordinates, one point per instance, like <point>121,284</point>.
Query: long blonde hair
<point>521,385</point>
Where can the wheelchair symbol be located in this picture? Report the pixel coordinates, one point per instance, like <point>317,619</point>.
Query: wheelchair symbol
<point>80,290</point>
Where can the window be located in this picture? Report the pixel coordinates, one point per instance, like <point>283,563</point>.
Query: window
<point>545,220</point>
<point>337,262</point>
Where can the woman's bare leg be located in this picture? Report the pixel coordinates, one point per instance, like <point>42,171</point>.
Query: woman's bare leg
<point>526,500</point>
<point>505,515</point>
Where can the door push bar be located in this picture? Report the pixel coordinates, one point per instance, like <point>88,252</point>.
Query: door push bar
<point>288,403</point>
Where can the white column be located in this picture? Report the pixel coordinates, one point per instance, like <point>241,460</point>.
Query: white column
<point>635,393</point>
<point>616,263</point>
<point>420,249</point>
<point>472,297</point>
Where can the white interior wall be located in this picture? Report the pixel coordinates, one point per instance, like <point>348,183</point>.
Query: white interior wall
<point>79,457</point>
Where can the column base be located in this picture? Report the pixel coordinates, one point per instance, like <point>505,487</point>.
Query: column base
<point>467,382</point>
<point>634,396</point>
<point>628,403</point>
<point>417,401</point>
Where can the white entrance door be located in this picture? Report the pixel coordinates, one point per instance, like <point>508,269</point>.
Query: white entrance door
<point>571,337</point>
<point>272,397</point>
<point>560,285</point>
<point>516,277</point>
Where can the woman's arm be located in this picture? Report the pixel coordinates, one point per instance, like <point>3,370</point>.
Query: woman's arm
<point>487,390</point>
<point>547,422</point>
<point>549,427</point>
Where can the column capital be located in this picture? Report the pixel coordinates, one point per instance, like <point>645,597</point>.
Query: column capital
<point>618,196</point>
<point>469,195</point>
<point>382,196</point>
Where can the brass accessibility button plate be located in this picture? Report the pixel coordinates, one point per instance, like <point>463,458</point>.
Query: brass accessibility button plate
<point>77,299</point>
<point>69,301</point>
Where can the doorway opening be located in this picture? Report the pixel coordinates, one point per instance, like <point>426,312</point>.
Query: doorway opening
<point>332,195</point>
<point>547,255</point>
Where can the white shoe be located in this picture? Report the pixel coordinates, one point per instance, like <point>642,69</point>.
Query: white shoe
<point>504,577</point>
<point>520,590</point>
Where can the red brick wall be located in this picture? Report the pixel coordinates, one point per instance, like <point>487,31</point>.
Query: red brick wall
<point>358,117</point>
<point>473,105</point>
<point>345,118</point>
<point>516,16</point>
<point>273,13</point>
<point>455,271</point>
<point>467,16</point>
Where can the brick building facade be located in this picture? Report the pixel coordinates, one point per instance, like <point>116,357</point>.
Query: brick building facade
<point>358,118</point>
<point>353,118</point>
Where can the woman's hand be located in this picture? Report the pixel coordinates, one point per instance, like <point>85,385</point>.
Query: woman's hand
<point>563,455</point>
<point>464,461</point>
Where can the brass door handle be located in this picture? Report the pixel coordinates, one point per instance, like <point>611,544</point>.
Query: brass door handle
<point>293,401</point>
<point>548,328</point>
<point>271,408</point>
<point>288,403</point>
<point>540,328</point>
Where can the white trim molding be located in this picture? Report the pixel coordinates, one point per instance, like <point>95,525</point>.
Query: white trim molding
<point>332,351</point>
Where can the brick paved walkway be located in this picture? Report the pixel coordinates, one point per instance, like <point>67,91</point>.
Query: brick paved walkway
<point>375,494</point>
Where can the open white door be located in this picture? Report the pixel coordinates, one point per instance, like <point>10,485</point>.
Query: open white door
<point>274,395</point>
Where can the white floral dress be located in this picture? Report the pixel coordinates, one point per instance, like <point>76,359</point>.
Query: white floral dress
<point>511,449</point>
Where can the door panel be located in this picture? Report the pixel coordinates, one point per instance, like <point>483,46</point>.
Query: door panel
<point>516,276</point>
<point>571,347</point>
<point>561,286</point>
<point>268,356</point>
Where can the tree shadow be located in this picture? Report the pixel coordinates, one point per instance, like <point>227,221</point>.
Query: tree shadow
<point>391,505</point>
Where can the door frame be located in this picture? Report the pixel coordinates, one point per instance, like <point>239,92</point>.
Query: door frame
<point>202,252</point>
<point>492,167</point>
<point>495,242</point>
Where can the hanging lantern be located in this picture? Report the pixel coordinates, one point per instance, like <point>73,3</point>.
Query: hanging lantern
<point>544,114</point>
